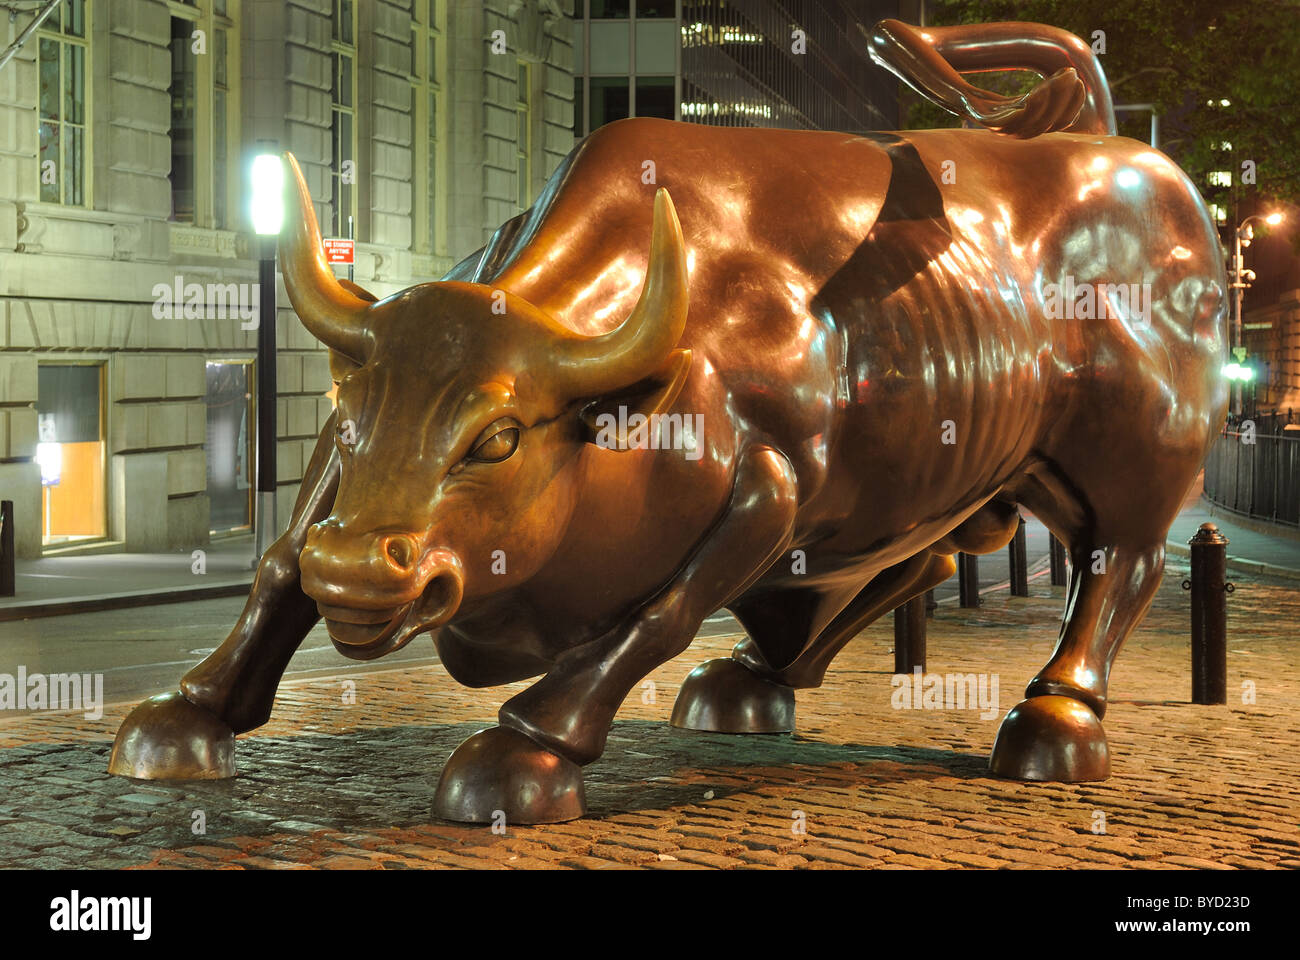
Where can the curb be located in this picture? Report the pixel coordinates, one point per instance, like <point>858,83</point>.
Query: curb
<point>120,601</point>
<point>1255,568</point>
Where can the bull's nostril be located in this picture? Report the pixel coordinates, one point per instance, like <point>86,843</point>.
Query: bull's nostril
<point>441,598</point>
<point>401,551</point>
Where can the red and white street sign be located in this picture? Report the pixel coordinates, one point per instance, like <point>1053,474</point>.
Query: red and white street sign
<point>339,250</point>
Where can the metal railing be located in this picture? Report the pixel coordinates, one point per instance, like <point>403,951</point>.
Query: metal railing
<point>1256,475</point>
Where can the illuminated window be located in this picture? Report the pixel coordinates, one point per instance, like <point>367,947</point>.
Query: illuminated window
<point>70,451</point>
<point>229,445</point>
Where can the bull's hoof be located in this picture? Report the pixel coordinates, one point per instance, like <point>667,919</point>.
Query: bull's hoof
<point>725,696</point>
<point>168,738</point>
<point>501,774</point>
<point>1051,737</point>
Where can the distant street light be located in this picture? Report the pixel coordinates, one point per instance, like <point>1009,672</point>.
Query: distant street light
<point>266,212</point>
<point>1241,279</point>
<point>1239,372</point>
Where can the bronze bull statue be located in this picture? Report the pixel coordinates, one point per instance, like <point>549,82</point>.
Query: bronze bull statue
<point>850,358</point>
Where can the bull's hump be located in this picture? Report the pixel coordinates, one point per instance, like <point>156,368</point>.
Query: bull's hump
<point>799,201</point>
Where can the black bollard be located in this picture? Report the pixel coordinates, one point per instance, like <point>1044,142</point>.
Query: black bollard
<point>968,579</point>
<point>1210,591</point>
<point>909,635</point>
<point>1019,562</point>
<point>1056,555</point>
<point>7,564</point>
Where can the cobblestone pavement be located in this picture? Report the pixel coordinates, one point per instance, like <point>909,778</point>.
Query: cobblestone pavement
<point>330,784</point>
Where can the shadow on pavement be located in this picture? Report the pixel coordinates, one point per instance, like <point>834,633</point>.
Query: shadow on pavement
<point>385,777</point>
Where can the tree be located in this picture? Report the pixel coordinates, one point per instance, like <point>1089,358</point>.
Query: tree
<point>1222,75</point>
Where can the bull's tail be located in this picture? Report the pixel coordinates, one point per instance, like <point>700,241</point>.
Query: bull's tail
<point>1073,96</point>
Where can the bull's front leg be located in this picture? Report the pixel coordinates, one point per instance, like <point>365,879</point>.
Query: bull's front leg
<point>529,767</point>
<point>189,735</point>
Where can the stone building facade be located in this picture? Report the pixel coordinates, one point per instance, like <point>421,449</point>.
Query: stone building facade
<point>1271,336</point>
<point>127,129</point>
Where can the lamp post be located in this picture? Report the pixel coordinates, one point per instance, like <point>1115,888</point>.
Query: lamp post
<point>267,214</point>
<point>1241,278</point>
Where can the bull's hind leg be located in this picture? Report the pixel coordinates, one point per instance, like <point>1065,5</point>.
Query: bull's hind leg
<point>1056,732</point>
<point>1116,564</point>
<point>189,735</point>
<point>529,767</point>
<point>752,691</point>
<point>746,693</point>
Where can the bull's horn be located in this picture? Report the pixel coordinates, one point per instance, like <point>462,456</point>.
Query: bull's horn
<point>333,313</point>
<point>595,365</point>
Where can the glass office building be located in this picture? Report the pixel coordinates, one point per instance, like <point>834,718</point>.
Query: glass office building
<point>764,63</point>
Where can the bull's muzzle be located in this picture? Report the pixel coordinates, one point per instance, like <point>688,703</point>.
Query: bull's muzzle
<point>377,591</point>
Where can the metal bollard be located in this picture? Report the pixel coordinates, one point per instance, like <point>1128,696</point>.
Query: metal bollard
<point>968,579</point>
<point>1019,562</point>
<point>1210,591</point>
<point>7,563</point>
<point>909,635</point>
<point>1056,555</point>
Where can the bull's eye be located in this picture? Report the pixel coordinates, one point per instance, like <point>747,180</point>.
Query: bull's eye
<point>497,442</point>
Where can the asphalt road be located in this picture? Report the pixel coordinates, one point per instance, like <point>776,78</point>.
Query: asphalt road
<point>145,650</point>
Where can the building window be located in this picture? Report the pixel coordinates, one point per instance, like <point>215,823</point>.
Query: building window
<point>220,125</point>
<point>343,193</point>
<point>647,9</point>
<point>63,57</point>
<point>70,451</point>
<point>656,97</point>
<point>524,134</point>
<point>345,23</point>
<point>579,105</point>
<point>183,96</point>
<point>429,83</point>
<point>229,446</point>
<point>610,9</point>
<point>204,91</point>
<point>628,62</point>
<point>609,101</point>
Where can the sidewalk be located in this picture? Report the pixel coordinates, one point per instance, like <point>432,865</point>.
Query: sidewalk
<point>53,586</point>
<point>1248,550</point>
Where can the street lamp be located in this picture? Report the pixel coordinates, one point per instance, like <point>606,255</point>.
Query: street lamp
<point>1241,279</point>
<point>267,214</point>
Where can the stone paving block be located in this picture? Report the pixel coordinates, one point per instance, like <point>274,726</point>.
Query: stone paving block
<point>1194,787</point>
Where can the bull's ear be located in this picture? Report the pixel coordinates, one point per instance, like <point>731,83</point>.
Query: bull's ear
<point>602,423</point>
<point>340,364</point>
